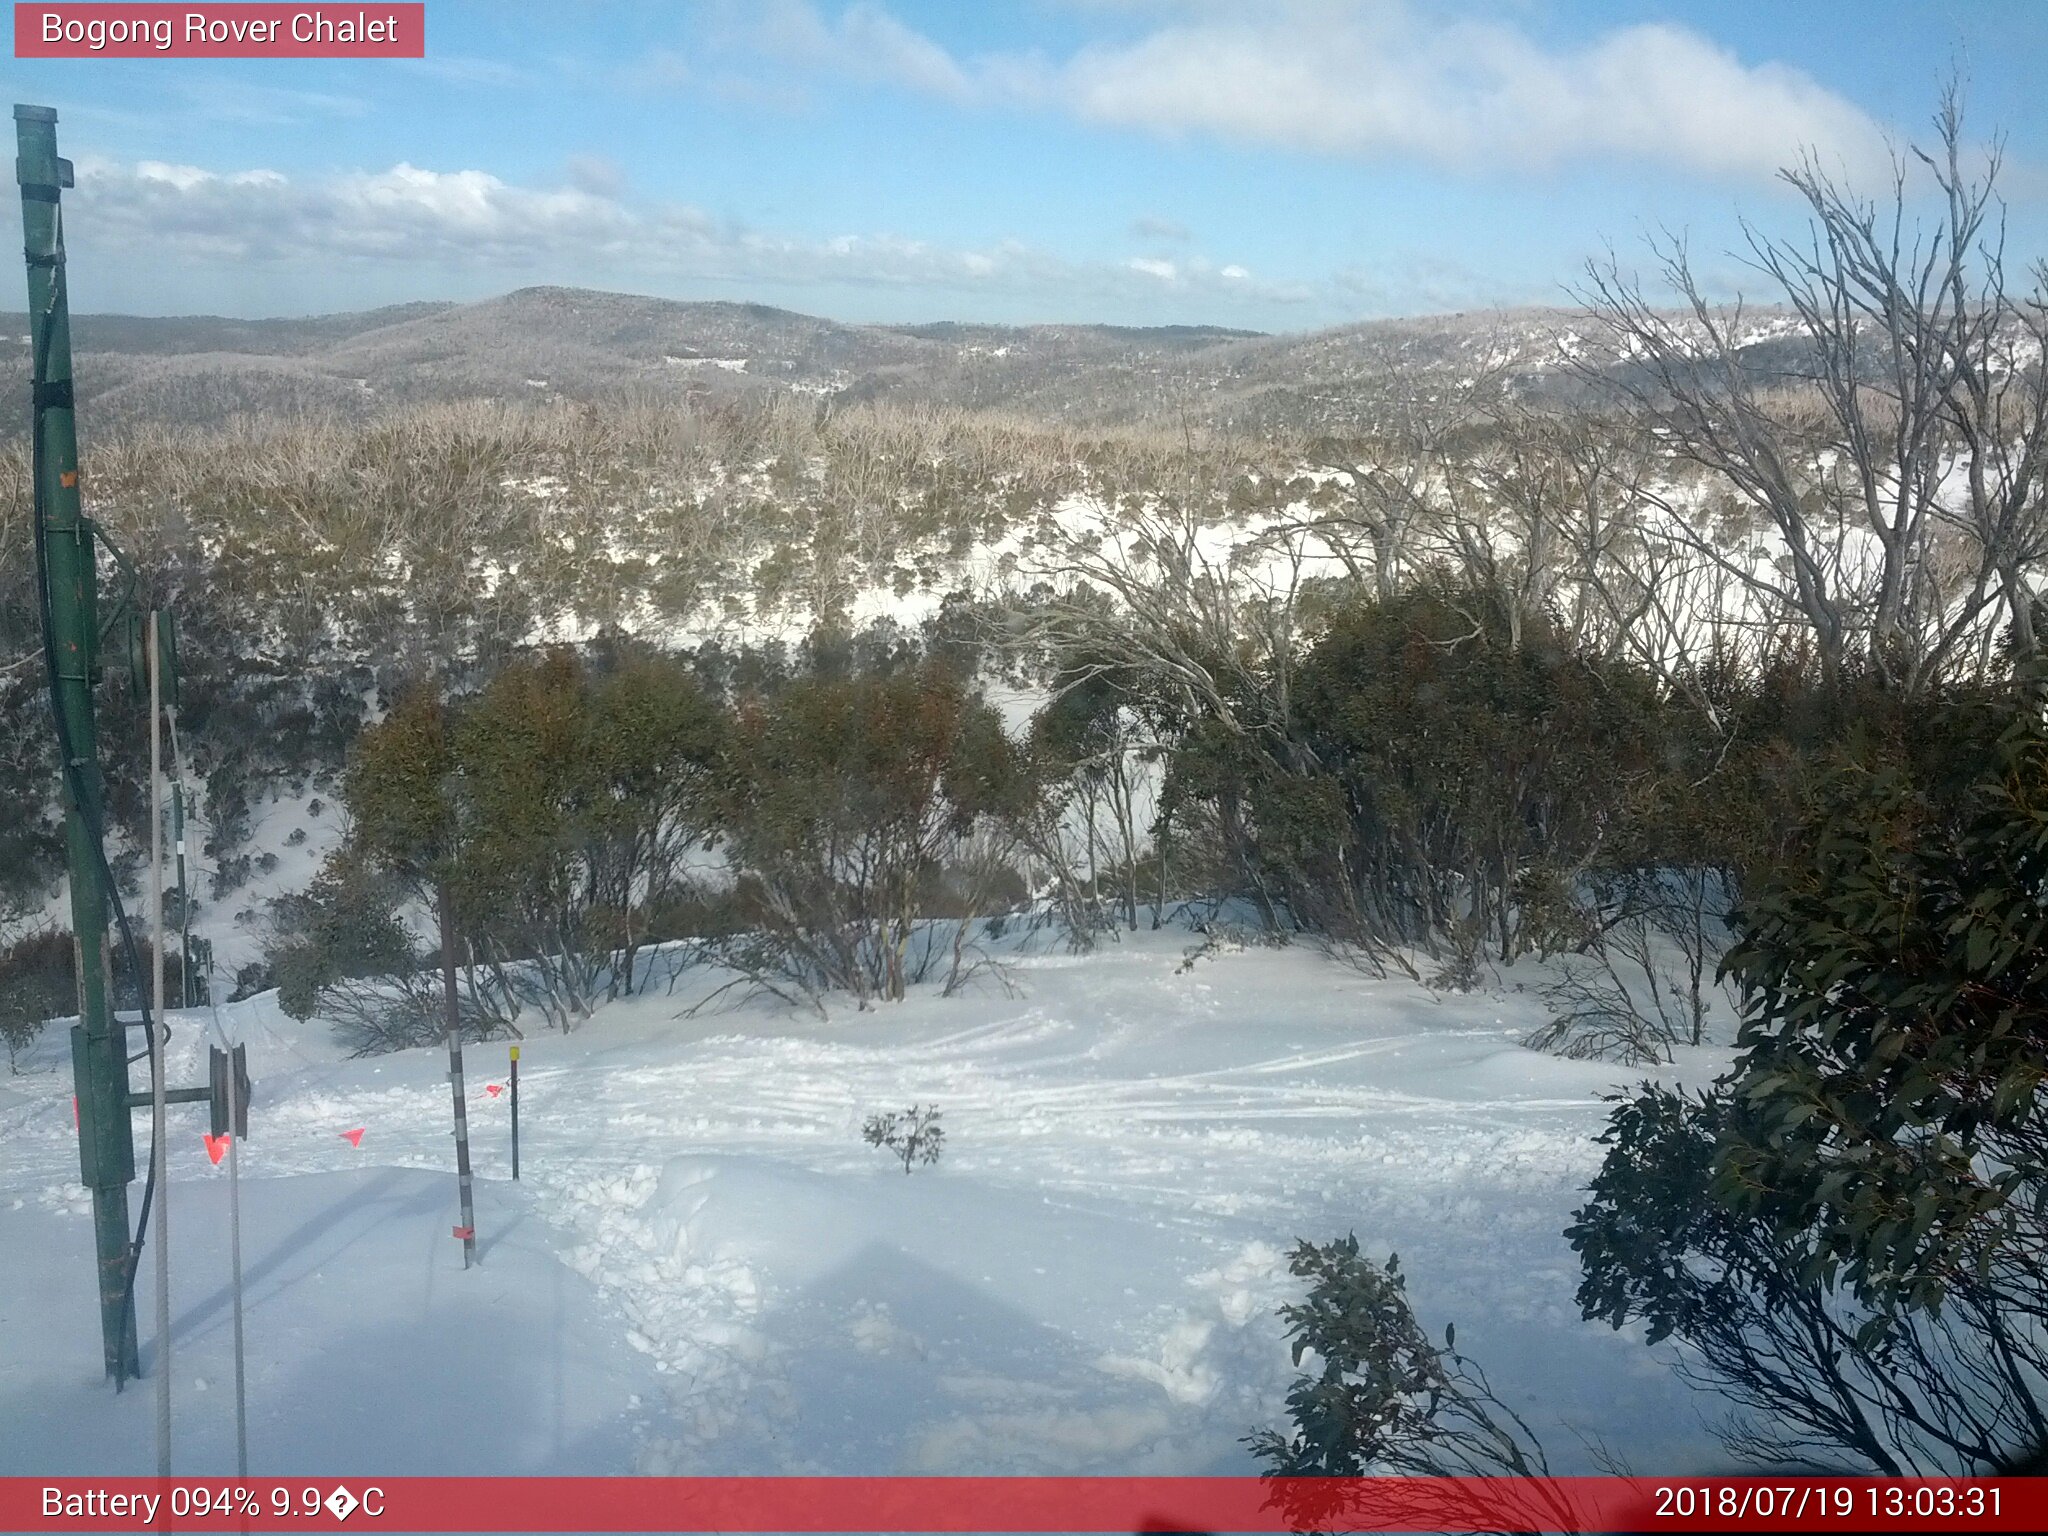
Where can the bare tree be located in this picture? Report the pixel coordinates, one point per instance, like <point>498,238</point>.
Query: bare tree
<point>1165,595</point>
<point>1385,490</point>
<point>1187,615</point>
<point>1913,373</point>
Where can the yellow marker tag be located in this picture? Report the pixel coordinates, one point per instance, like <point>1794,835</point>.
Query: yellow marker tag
<point>515,1053</point>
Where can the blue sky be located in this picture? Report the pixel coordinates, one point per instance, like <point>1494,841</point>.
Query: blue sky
<point>1272,164</point>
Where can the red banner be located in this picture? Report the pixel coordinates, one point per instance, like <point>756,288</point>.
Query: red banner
<point>317,31</point>
<point>1025,1504</point>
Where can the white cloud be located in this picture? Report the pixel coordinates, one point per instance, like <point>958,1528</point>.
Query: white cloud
<point>1381,81</point>
<point>412,217</point>
<point>183,177</point>
<point>899,53</point>
<point>1235,273</point>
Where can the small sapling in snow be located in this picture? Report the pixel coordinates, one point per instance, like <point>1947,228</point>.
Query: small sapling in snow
<point>915,1135</point>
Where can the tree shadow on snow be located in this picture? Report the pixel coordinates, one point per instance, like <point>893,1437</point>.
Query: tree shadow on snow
<point>887,1364</point>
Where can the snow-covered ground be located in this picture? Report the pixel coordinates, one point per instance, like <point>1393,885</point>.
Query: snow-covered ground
<point>705,1269</point>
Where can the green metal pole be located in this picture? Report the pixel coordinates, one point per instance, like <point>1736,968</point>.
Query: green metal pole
<point>99,1054</point>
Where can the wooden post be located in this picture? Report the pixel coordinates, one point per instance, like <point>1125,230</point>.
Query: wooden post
<point>467,1231</point>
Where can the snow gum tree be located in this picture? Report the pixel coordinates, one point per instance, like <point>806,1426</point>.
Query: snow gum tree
<point>1892,436</point>
<point>37,983</point>
<point>547,815</point>
<point>405,822</point>
<point>1847,1228</point>
<point>1459,764</point>
<point>849,797</point>
<point>652,747</point>
<point>341,949</point>
<point>583,791</point>
<point>1090,746</point>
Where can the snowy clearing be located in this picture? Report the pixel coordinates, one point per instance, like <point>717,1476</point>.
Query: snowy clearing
<point>705,1270</point>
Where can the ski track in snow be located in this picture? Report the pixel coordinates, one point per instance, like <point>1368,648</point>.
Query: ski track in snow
<point>1085,1282</point>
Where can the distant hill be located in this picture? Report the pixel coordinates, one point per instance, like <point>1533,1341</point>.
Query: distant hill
<point>174,334</point>
<point>574,342</point>
<point>582,344</point>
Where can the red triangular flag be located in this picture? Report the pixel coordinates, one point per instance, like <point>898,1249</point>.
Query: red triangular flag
<point>354,1138</point>
<point>494,1089</point>
<point>216,1146</point>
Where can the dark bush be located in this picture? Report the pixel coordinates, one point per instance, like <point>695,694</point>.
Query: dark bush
<point>1846,1228</point>
<point>38,982</point>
